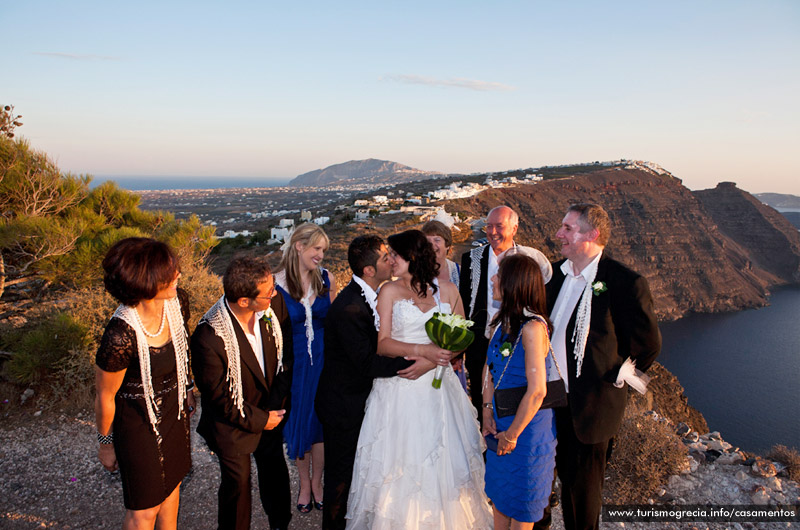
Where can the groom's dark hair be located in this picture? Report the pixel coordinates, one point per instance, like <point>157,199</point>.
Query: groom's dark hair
<point>364,252</point>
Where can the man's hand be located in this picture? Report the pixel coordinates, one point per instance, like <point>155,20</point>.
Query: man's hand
<point>275,417</point>
<point>107,457</point>
<point>191,403</point>
<point>420,367</point>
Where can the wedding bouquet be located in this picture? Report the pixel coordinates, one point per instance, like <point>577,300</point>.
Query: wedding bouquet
<point>450,332</point>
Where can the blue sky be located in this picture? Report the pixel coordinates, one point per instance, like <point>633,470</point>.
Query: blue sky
<point>709,90</point>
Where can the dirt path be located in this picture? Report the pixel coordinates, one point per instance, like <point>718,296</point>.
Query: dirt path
<point>50,478</point>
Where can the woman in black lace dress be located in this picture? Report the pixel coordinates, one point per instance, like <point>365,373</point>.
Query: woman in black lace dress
<point>144,397</point>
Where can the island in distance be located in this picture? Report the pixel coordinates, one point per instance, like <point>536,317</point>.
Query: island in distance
<point>369,171</point>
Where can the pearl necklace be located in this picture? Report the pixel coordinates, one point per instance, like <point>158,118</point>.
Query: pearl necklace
<point>160,328</point>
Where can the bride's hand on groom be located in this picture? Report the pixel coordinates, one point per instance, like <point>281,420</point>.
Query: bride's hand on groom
<point>420,367</point>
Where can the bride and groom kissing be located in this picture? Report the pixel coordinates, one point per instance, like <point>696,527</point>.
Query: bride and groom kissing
<point>396,449</point>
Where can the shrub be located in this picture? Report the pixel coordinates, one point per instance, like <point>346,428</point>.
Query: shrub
<point>39,348</point>
<point>646,452</point>
<point>789,457</point>
<point>57,350</point>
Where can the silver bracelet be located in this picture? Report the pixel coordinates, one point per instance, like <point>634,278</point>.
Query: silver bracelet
<point>105,439</point>
<point>488,406</point>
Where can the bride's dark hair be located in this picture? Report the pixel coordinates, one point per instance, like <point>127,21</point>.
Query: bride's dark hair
<point>414,247</point>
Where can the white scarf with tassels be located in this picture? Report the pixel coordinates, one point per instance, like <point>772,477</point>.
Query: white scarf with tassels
<point>220,321</point>
<point>177,332</point>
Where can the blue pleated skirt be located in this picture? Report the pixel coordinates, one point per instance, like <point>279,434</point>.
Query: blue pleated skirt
<point>519,483</point>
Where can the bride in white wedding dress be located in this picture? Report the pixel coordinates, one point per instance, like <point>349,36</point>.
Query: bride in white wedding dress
<point>419,461</point>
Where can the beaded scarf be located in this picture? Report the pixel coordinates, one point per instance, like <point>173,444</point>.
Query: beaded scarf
<point>220,321</point>
<point>177,332</point>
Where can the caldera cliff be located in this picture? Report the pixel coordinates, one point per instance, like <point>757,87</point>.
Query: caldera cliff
<point>692,246</point>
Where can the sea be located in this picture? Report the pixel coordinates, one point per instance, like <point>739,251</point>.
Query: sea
<point>741,370</point>
<point>140,183</point>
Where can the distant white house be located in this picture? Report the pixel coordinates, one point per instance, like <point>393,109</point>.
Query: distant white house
<point>361,202</point>
<point>230,234</point>
<point>362,215</point>
<point>285,223</point>
<point>445,218</point>
<point>279,234</point>
<point>380,199</point>
<point>321,220</point>
<point>305,215</point>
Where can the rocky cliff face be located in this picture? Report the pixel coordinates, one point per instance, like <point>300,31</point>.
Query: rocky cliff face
<point>664,231</point>
<point>767,236</point>
<point>370,170</point>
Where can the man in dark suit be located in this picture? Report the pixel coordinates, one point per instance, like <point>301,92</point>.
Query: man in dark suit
<point>351,364</point>
<point>242,363</point>
<point>602,314</point>
<point>475,285</point>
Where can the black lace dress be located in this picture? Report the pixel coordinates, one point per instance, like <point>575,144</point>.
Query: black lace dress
<point>150,466</point>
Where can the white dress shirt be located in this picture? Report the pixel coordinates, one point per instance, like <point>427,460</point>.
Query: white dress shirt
<point>567,300</point>
<point>254,340</point>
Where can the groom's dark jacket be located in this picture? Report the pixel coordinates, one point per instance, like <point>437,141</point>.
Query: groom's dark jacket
<point>623,324</point>
<point>351,361</point>
<point>221,425</point>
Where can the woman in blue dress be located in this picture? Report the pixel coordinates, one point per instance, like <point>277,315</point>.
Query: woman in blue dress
<point>308,290</point>
<point>519,473</point>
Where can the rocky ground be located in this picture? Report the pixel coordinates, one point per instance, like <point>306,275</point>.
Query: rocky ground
<point>51,479</point>
<point>716,473</point>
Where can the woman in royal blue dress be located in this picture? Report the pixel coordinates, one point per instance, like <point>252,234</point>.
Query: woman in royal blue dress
<point>308,290</point>
<point>519,474</point>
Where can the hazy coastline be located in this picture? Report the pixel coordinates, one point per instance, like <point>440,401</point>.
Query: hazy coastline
<point>164,183</point>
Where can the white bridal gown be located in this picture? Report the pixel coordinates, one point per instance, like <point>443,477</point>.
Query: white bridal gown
<point>419,462</point>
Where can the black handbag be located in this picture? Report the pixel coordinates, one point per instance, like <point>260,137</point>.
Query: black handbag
<point>507,400</point>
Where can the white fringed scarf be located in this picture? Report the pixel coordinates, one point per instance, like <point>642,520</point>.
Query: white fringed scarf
<point>280,279</point>
<point>220,321</point>
<point>372,301</point>
<point>583,316</point>
<point>177,332</point>
<point>475,275</point>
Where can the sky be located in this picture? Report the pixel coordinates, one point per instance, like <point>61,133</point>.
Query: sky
<point>707,89</point>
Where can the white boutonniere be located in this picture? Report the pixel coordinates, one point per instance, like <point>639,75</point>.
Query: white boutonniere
<point>505,349</point>
<point>598,288</point>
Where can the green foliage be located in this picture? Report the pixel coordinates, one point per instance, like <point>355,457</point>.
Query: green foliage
<point>45,345</point>
<point>54,229</point>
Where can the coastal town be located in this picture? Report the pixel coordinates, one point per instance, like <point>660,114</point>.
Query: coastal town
<point>244,212</point>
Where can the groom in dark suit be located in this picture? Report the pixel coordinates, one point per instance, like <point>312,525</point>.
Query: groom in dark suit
<point>242,363</point>
<point>602,314</point>
<point>351,363</point>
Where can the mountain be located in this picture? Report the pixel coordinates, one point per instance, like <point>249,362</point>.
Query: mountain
<point>369,171</point>
<point>779,200</point>
<point>787,205</point>
<point>769,239</point>
<point>691,247</point>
